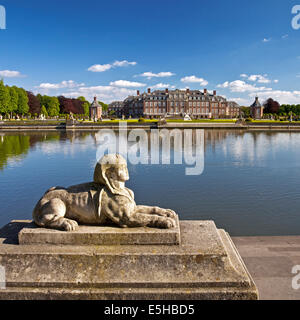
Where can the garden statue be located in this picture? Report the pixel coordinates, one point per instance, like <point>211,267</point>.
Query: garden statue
<point>105,200</point>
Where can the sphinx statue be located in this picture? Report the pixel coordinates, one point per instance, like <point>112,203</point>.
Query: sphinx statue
<point>105,200</point>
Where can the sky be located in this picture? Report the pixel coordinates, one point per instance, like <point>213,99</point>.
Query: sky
<point>110,49</point>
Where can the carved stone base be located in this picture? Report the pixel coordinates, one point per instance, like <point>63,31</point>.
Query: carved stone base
<point>98,235</point>
<point>206,265</point>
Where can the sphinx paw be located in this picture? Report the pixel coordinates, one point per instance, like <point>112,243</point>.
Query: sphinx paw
<point>168,223</point>
<point>171,214</point>
<point>69,225</point>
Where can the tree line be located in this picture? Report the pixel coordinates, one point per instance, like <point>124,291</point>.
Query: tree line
<point>273,108</point>
<point>15,101</point>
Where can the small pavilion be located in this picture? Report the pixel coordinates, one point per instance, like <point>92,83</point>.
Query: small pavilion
<point>95,110</point>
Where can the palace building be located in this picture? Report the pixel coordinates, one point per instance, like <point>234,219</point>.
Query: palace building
<point>177,103</point>
<point>116,109</point>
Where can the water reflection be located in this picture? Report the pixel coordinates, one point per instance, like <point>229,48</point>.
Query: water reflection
<point>249,185</point>
<point>240,145</point>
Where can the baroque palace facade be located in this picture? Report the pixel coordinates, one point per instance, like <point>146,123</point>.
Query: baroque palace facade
<point>175,103</point>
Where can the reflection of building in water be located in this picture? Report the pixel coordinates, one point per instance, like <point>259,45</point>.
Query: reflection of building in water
<point>95,110</point>
<point>176,103</point>
<point>256,109</point>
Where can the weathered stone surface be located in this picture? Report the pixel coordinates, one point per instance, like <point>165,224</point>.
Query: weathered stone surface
<point>205,265</point>
<point>99,235</point>
<point>105,199</point>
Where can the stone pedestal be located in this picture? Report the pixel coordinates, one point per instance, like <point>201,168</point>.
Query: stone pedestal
<point>99,235</point>
<point>205,265</point>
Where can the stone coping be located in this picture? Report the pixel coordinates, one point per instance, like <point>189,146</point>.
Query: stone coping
<point>99,235</point>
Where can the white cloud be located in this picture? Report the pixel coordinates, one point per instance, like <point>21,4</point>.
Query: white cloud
<point>285,36</point>
<point>283,97</point>
<point>105,67</point>
<point>123,63</point>
<point>127,84</point>
<point>10,74</point>
<point>63,84</point>
<point>240,101</point>
<point>241,86</point>
<point>266,40</point>
<point>162,86</point>
<point>150,75</point>
<point>194,79</point>
<point>106,94</point>
<point>259,78</point>
<point>100,67</point>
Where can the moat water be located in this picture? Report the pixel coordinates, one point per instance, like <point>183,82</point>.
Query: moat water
<point>250,184</point>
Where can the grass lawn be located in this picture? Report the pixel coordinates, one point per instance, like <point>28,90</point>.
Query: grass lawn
<point>269,121</point>
<point>205,121</point>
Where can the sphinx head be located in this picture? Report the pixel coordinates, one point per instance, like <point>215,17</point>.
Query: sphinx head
<point>110,170</point>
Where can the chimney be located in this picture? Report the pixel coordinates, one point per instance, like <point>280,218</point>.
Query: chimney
<point>215,92</point>
<point>205,91</point>
<point>149,90</point>
<point>138,92</point>
<point>167,90</point>
<point>95,99</point>
<point>187,90</point>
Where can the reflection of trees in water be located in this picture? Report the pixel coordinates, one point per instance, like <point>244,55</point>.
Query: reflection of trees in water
<point>214,138</point>
<point>12,146</point>
<point>16,145</point>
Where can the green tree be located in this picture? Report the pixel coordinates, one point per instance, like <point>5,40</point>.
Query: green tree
<point>86,108</point>
<point>23,106</point>
<point>104,105</point>
<point>53,107</point>
<point>51,104</point>
<point>4,98</point>
<point>14,99</point>
<point>85,105</point>
<point>44,111</point>
<point>246,111</point>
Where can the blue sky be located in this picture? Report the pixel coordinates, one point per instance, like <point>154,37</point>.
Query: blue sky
<point>112,48</point>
